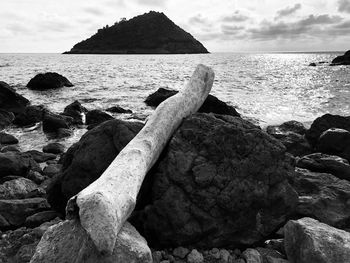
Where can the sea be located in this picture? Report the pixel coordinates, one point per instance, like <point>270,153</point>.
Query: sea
<point>267,88</point>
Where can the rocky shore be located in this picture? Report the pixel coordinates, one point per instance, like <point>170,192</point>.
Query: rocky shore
<point>223,190</point>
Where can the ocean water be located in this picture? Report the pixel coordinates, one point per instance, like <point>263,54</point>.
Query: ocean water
<point>269,88</point>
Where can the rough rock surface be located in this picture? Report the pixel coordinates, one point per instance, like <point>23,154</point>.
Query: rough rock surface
<point>309,241</point>
<point>86,160</point>
<point>53,122</point>
<point>75,110</point>
<point>68,242</point>
<point>19,188</point>
<point>10,100</point>
<point>220,182</point>
<point>323,197</point>
<point>97,117</point>
<point>30,115</point>
<point>324,123</point>
<point>117,109</point>
<point>211,104</point>
<point>6,138</point>
<point>6,118</point>
<point>336,142</point>
<point>49,80</point>
<point>16,163</point>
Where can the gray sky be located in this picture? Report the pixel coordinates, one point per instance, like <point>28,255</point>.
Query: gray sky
<point>221,25</point>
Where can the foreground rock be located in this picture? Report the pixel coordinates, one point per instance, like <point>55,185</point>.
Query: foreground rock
<point>309,241</point>
<point>10,100</point>
<point>49,80</point>
<point>76,111</point>
<point>54,148</point>
<point>220,182</point>
<point>86,160</point>
<point>323,197</point>
<point>16,163</point>
<point>342,60</point>
<point>211,104</point>
<point>324,123</point>
<point>336,142</point>
<point>6,138</point>
<point>6,118</point>
<point>30,115</point>
<point>95,117</point>
<point>53,122</point>
<point>69,242</point>
<point>19,188</point>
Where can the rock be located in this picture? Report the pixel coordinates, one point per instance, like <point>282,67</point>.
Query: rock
<point>157,256</point>
<point>181,252</point>
<point>10,100</point>
<point>49,80</point>
<point>117,109</point>
<point>324,163</point>
<point>215,253</point>
<point>41,157</point>
<point>324,123</point>
<point>276,244</point>
<point>150,33</point>
<point>224,255</point>
<point>10,148</point>
<point>52,169</point>
<point>16,163</point>
<point>252,256</point>
<point>36,177</point>
<point>18,188</point>
<point>30,116</point>
<point>97,117</point>
<point>53,122</point>
<point>86,160</point>
<point>309,241</point>
<point>313,64</point>
<point>195,257</point>
<point>211,104</point>
<point>72,244</point>
<point>221,182</point>
<point>17,210</point>
<point>335,142</point>
<point>6,138</point>
<point>6,118</point>
<point>63,133</point>
<point>76,111</point>
<point>270,255</point>
<point>40,218</point>
<point>342,60</point>
<point>289,126</point>
<point>54,148</point>
<point>323,197</point>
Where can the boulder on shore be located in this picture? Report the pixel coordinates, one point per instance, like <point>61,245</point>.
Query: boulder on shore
<point>49,80</point>
<point>6,118</point>
<point>309,241</point>
<point>95,117</point>
<point>53,122</point>
<point>10,100</point>
<point>30,115</point>
<point>211,104</point>
<point>117,109</point>
<point>16,163</point>
<point>342,60</point>
<point>75,110</point>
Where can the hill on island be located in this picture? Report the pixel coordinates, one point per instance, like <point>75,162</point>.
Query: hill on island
<point>150,33</point>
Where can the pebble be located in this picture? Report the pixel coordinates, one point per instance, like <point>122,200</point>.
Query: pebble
<point>195,257</point>
<point>181,252</point>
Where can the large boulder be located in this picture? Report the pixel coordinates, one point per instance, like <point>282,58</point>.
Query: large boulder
<point>95,117</point>
<point>335,142</point>
<point>86,160</point>
<point>342,60</point>
<point>69,242</point>
<point>49,80</point>
<point>324,163</point>
<point>324,123</point>
<point>16,163</point>
<point>53,122</point>
<point>221,181</point>
<point>211,104</point>
<point>6,118</point>
<point>30,115</point>
<point>309,241</point>
<point>323,196</point>
<point>76,111</point>
<point>19,188</point>
<point>10,100</point>
<point>6,138</point>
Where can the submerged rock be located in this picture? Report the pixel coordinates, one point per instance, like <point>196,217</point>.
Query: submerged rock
<point>10,100</point>
<point>49,80</point>
<point>211,104</point>
<point>309,241</point>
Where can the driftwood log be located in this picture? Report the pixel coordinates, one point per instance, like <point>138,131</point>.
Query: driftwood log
<point>103,207</point>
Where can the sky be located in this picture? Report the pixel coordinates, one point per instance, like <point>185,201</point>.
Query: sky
<point>41,26</point>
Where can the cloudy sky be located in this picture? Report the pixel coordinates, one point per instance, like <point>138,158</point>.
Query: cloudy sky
<point>221,25</point>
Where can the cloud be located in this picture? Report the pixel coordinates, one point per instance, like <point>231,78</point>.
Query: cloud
<point>93,11</point>
<point>344,6</point>
<point>236,17</point>
<point>231,30</point>
<point>199,20</point>
<point>152,2</point>
<point>288,11</point>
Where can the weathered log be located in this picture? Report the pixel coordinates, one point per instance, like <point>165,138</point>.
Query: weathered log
<point>105,205</point>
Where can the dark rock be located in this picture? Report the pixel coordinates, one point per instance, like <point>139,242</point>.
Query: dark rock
<point>276,244</point>
<point>52,169</point>
<point>97,117</point>
<point>41,157</point>
<point>323,197</point>
<point>335,142</point>
<point>10,100</point>
<point>54,147</point>
<point>342,60</point>
<point>324,123</point>
<point>63,133</point>
<point>211,104</point>
<point>10,148</point>
<point>36,177</point>
<point>6,138</point>
<point>117,109</point>
<point>53,122</point>
<point>40,218</point>
<point>86,160</point>
<point>150,33</point>
<point>221,181</point>
<point>16,211</point>
<point>289,126</point>
<point>6,118</point>
<point>252,256</point>
<point>324,163</point>
<point>49,80</point>
<point>270,255</point>
<point>313,64</point>
<point>309,241</point>
<point>75,110</point>
<point>18,188</point>
<point>15,163</point>
<point>30,116</point>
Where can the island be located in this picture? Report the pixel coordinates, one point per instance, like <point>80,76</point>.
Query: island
<point>150,33</point>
